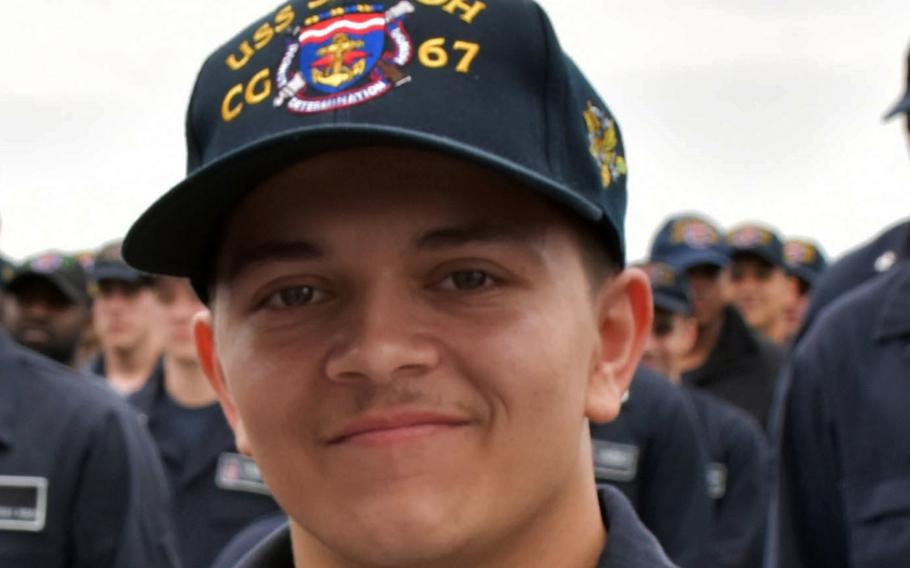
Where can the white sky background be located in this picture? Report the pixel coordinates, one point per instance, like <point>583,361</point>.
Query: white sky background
<point>743,109</point>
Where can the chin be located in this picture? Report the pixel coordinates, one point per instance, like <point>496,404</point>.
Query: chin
<point>398,539</point>
<point>397,528</point>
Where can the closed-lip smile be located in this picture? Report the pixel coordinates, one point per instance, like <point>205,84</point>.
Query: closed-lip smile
<point>393,427</point>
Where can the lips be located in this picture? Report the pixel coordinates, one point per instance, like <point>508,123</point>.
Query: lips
<point>35,334</point>
<point>397,427</point>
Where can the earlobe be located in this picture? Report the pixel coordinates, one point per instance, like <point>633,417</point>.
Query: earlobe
<point>624,314</point>
<point>204,336</point>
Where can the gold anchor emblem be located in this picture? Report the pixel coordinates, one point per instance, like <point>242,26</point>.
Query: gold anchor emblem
<point>341,61</point>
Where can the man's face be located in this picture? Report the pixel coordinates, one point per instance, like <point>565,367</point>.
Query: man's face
<point>672,337</point>
<point>411,348</point>
<point>709,285</point>
<point>177,304</point>
<point>760,290</point>
<point>41,317</point>
<point>123,314</point>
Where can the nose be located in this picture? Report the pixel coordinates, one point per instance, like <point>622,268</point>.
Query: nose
<point>36,309</point>
<point>382,340</point>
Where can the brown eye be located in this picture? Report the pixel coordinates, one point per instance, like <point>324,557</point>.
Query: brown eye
<point>469,279</point>
<point>293,297</point>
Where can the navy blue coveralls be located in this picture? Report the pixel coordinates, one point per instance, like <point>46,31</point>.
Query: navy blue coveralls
<point>629,544</point>
<point>217,492</point>
<point>653,453</point>
<point>737,480</point>
<point>843,492</point>
<point>80,481</point>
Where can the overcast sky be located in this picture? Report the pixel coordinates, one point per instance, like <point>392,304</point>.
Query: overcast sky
<point>743,109</point>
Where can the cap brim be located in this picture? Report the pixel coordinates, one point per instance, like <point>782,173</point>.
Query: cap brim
<point>762,254</point>
<point>121,272</point>
<point>685,259</point>
<point>65,288</point>
<point>805,274</point>
<point>671,303</point>
<point>902,107</point>
<point>176,235</point>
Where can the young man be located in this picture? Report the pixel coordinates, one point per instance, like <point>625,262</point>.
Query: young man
<point>760,282</point>
<point>843,463</point>
<point>123,315</point>
<point>47,306</point>
<point>735,443</point>
<point>729,359</point>
<point>216,491</point>
<point>412,252</point>
<point>80,482</point>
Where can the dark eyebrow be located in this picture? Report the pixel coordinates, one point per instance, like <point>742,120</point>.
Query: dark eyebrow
<point>271,251</point>
<point>446,237</point>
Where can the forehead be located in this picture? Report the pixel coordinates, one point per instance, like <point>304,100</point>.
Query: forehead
<point>405,191</point>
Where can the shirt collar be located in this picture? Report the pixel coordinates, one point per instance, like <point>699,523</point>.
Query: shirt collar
<point>629,544</point>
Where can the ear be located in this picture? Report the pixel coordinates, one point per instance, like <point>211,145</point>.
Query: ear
<point>624,313</point>
<point>204,335</point>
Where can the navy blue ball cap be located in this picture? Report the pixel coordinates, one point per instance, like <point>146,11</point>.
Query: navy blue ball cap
<point>805,260</point>
<point>689,240</point>
<point>758,240</point>
<point>669,287</point>
<point>63,271</point>
<point>109,265</point>
<point>483,81</point>
<point>116,270</point>
<point>903,105</point>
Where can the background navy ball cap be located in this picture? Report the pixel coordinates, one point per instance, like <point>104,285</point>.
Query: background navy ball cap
<point>63,271</point>
<point>805,260</point>
<point>116,270</point>
<point>669,287</point>
<point>109,265</point>
<point>689,240</point>
<point>751,238</point>
<point>484,81</point>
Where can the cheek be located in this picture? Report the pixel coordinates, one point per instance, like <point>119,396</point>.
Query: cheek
<point>71,321</point>
<point>530,368</point>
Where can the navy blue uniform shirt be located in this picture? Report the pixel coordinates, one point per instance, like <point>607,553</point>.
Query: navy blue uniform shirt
<point>247,539</point>
<point>843,493</point>
<point>742,369</point>
<point>653,453</point>
<point>856,267</point>
<point>629,544</point>
<point>80,483</point>
<point>217,492</point>
<point>737,480</point>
